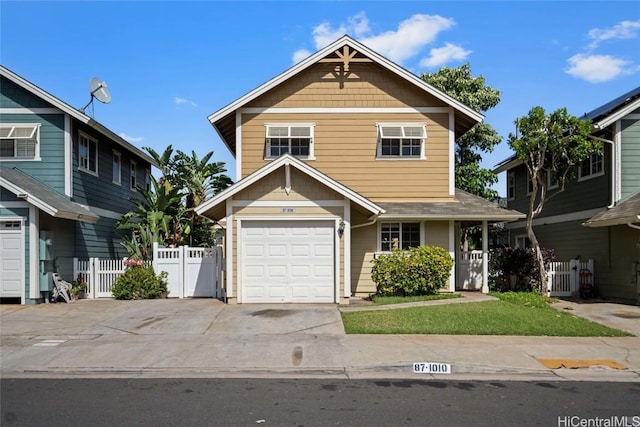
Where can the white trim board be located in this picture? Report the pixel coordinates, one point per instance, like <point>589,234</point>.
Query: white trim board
<point>342,110</point>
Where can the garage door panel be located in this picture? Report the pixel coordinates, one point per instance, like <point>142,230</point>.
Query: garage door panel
<point>298,266</point>
<point>277,250</point>
<point>11,259</point>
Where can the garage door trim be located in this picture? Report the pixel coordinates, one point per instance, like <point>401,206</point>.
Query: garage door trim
<point>19,231</point>
<point>331,222</point>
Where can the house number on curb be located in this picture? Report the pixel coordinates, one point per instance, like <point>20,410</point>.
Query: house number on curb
<point>288,210</point>
<point>431,368</point>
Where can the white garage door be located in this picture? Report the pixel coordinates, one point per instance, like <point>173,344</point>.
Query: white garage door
<point>288,261</point>
<point>11,259</point>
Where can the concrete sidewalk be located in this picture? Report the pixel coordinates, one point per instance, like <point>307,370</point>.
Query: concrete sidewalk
<point>206,338</point>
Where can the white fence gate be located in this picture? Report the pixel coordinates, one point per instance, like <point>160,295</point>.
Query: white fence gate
<point>191,272</point>
<point>469,270</point>
<point>564,277</point>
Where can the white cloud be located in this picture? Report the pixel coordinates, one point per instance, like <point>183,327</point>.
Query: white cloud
<point>300,54</point>
<point>184,101</point>
<point>442,55</point>
<point>130,138</point>
<point>623,30</point>
<point>406,42</point>
<point>598,68</point>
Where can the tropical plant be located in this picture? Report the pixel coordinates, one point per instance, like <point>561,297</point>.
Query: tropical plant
<point>165,214</point>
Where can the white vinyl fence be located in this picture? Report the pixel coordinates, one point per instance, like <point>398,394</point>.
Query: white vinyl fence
<point>564,277</point>
<point>191,272</point>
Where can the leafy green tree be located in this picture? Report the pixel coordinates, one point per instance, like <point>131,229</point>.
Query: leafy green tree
<point>550,146</point>
<point>482,138</point>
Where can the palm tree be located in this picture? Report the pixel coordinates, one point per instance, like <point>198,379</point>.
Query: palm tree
<point>200,180</point>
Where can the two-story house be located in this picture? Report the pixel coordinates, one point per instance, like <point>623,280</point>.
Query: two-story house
<point>598,215</point>
<point>340,157</point>
<point>65,180</point>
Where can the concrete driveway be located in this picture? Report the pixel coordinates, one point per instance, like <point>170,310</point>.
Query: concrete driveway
<point>169,317</point>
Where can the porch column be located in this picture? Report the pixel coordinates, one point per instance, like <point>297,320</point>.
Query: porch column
<point>485,257</point>
<point>452,252</point>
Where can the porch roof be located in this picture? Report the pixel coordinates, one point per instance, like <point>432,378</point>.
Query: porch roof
<point>626,212</point>
<point>43,197</point>
<point>465,207</point>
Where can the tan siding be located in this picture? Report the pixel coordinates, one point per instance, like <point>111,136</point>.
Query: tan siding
<point>363,247</point>
<point>345,150</point>
<point>437,234</point>
<point>272,187</point>
<point>367,85</point>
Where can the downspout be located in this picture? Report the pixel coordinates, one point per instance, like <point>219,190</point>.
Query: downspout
<point>372,220</point>
<point>634,226</point>
<point>613,168</point>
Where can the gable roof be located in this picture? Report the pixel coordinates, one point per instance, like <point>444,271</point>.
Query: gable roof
<point>600,118</point>
<point>614,110</point>
<point>43,197</point>
<point>281,161</point>
<point>466,117</point>
<point>73,112</point>
<point>626,212</point>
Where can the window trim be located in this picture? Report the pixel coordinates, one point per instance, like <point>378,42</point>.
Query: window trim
<point>591,175</point>
<point>520,237</point>
<point>117,180</point>
<point>402,126</point>
<point>81,136</point>
<point>133,175</point>
<point>289,125</point>
<point>529,184</point>
<point>511,184</point>
<point>147,179</point>
<point>550,184</point>
<point>35,135</point>
<point>400,223</point>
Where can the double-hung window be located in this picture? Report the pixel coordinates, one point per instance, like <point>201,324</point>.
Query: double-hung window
<point>399,235</point>
<point>295,139</point>
<point>87,154</point>
<point>132,175</point>
<point>511,185</point>
<point>117,168</point>
<point>401,141</point>
<point>20,141</point>
<point>591,167</point>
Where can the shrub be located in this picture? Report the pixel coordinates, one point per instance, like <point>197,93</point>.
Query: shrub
<point>516,269</point>
<point>417,271</point>
<point>140,283</point>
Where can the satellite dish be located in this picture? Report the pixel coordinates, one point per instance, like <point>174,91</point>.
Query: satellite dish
<point>99,91</point>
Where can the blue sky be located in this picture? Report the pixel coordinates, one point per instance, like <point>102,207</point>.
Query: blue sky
<point>168,65</point>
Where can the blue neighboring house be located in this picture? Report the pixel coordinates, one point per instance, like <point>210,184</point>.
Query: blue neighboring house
<point>65,180</point>
<point>598,215</point>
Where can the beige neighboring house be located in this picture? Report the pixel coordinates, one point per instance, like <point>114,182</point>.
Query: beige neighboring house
<point>341,157</point>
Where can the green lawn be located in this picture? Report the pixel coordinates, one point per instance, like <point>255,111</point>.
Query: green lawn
<point>513,314</point>
<point>378,300</point>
